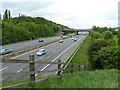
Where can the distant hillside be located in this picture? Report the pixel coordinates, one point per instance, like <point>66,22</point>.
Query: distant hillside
<point>27,28</point>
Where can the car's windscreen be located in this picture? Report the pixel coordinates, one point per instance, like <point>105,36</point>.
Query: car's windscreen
<point>41,50</point>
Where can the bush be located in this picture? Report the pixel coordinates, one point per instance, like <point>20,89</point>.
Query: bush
<point>95,46</point>
<point>119,38</point>
<point>106,58</point>
<point>108,35</point>
<point>96,35</point>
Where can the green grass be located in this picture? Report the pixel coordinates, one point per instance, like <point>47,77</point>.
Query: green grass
<point>81,55</point>
<point>4,84</point>
<point>14,82</point>
<point>86,79</point>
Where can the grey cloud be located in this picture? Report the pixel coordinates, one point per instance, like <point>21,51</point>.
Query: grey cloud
<point>26,5</point>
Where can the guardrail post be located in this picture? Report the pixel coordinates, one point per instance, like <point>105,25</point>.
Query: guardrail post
<point>31,68</point>
<point>72,67</point>
<point>59,66</point>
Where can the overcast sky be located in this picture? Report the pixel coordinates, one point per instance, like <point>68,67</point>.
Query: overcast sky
<point>72,13</point>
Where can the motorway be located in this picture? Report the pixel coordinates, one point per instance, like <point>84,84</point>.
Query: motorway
<point>28,44</point>
<point>55,51</point>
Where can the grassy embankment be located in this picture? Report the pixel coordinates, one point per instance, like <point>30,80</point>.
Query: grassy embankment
<point>87,79</point>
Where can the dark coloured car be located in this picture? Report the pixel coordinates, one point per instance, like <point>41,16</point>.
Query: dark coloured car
<point>41,41</point>
<point>5,51</point>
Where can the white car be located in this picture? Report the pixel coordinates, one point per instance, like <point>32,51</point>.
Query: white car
<point>41,52</point>
<point>5,51</point>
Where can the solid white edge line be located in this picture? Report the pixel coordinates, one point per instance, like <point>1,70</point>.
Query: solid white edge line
<point>45,67</point>
<point>57,57</point>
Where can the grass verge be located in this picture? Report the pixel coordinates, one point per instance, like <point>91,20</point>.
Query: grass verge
<point>4,84</point>
<point>86,79</point>
<point>81,55</point>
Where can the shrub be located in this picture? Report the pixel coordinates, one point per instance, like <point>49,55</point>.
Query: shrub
<point>95,46</point>
<point>96,35</point>
<point>108,35</point>
<point>119,38</point>
<point>106,58</point>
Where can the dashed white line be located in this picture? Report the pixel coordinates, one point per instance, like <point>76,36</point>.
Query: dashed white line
<point>36,74</point>
<point>41,58</point>
<point>3,68</point>
<point>19,70</point>
<point>58,56</point>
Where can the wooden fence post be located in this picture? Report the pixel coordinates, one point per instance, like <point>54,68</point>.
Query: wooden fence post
<point>79,67</point>
<point>72,67</point>
<point>32,68</point>
<point>59,66</point>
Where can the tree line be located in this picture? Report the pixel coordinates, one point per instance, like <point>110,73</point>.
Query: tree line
<point>104,50</point>
<point>26,28</point>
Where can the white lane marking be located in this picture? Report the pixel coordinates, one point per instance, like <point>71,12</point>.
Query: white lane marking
<point>45,67</point>
<point>31,51</point>
<point>41,58</point>
<point>19,70</point>
<point>36,74</point>
<point>3,68</point>
<point>58,56</point>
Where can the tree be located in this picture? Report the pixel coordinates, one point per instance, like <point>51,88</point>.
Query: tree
<point>26,28</point>
<point>106,58</point>
<point>95,46</point>
<point>9,14</point>
<point>96,35</point>
<point>19,15</point>
<point>0,17</point>
<point>5,16</point>
<point>119,38</point>
<point>108,35</point>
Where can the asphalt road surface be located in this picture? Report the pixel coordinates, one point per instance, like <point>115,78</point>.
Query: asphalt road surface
<point>28,44</point>
<point>54,52</point>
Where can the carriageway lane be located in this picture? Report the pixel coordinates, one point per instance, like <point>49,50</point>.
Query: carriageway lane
<point>29,44</point>
<point>53,51</point>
